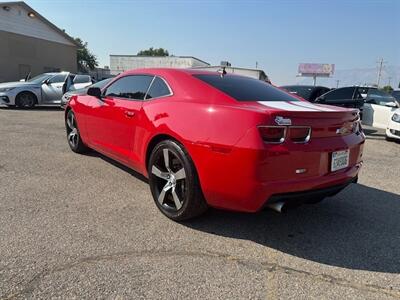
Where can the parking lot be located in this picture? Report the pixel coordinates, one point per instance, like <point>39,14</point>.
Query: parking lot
<point>84,226</point>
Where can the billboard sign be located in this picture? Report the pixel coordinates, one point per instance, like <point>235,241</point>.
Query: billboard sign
<point>320,70</point>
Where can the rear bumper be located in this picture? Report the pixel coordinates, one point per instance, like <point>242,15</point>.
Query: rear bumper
<point>309,196</point>
<point>246,179</point>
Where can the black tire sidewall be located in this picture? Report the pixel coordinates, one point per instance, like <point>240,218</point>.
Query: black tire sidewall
<point>32,96</point>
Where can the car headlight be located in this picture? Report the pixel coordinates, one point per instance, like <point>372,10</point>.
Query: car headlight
<point>2,90</point>
<point>396,118</point>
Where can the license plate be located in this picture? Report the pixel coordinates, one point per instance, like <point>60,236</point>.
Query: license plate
<point>340,160</point>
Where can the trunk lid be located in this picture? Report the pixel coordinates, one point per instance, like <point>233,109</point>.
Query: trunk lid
<point>324,120</point>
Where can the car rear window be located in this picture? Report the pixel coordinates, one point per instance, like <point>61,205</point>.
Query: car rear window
<point>244,88</point>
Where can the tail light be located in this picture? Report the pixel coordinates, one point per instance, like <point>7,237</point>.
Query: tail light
<point>273,134</point>
<point>300,134</point>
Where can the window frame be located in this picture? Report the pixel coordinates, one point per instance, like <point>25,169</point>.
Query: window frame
<point>123,98</point>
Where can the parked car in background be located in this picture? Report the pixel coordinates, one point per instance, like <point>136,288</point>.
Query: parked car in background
<point>65,98</point>
<point>46,88</point>
<point>378,108</point>
<point>308,92</point>
<point>393,127</point>
<point>396,94</point>
<point>171,126</point>
<point>350,97</point>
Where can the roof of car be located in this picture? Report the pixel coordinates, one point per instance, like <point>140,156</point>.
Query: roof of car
<point>171,70</point>
<point>306,86</point>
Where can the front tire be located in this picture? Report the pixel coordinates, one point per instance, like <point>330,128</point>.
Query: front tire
<point>174,182</point>
<point>25,100</point>
<point>73,136</point>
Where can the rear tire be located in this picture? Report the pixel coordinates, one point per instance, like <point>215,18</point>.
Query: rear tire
<point>26,100</point>
<point>174,182</point>
<point>73,136</point>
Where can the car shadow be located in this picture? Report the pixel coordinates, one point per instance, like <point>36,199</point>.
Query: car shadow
<point>93,153</point>
<point>357,229</point>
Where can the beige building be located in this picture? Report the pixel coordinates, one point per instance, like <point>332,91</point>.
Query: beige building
<point>29,43</point>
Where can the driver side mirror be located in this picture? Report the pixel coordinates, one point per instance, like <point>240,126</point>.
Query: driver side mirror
<point>95,92</point>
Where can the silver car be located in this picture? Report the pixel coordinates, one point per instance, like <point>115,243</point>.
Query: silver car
<point>47,88</point>
<point>100,84</point>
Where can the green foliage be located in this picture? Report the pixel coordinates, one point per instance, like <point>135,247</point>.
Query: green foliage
<point>85,59</point>
<point>153,52</point>
<point>387,89</point>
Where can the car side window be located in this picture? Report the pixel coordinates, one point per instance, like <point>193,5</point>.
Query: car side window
<point>339,94</point>
<point>158,89</point>
<point>130,87</point>
<point>321,91</point>
<point>58,78</point>
<point>82,79</point>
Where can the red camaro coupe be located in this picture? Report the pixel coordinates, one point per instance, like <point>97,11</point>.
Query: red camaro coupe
<point>210,139</point>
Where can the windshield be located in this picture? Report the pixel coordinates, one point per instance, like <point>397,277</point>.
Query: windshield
<point>301,91</point>
<point>379,97</point>
<point>39,78</point>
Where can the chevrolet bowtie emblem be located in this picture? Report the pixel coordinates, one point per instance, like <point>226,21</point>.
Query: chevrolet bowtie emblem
<point>283,121</point>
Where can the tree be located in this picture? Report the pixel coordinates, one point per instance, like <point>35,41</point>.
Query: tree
<point>387,89</point>
<point>85,59</point>
<point>153,52</point>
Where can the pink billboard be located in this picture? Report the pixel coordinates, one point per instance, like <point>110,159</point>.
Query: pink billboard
<point>316,69</point>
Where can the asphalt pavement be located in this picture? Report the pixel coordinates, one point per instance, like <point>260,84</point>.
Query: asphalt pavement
<point>83,226</point>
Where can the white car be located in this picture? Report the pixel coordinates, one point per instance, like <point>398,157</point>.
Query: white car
<point>46,88</point>
<point>393,127</point>
<point>381,110</point>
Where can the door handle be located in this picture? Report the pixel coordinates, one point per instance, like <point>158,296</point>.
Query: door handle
<point>129,114</point>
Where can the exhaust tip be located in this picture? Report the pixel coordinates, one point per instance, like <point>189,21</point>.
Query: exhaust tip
<point>277,206</point>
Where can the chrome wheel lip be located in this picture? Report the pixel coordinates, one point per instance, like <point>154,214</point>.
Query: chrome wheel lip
<point>168,180</point>
<point>72,130</point>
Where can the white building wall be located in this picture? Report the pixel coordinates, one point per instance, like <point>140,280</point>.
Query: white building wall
<point>253,73</point>
<point>16,20</point>
<point>121,63</point>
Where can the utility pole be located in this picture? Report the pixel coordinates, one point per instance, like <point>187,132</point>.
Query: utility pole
<point>256,64</point>
<point>390,81</point>
<point>380,62</point>
<point>337,83</point>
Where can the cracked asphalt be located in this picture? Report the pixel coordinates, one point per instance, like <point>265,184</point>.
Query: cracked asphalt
<point>83,226</point>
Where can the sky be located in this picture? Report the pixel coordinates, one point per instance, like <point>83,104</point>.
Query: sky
<point>278,35</point>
